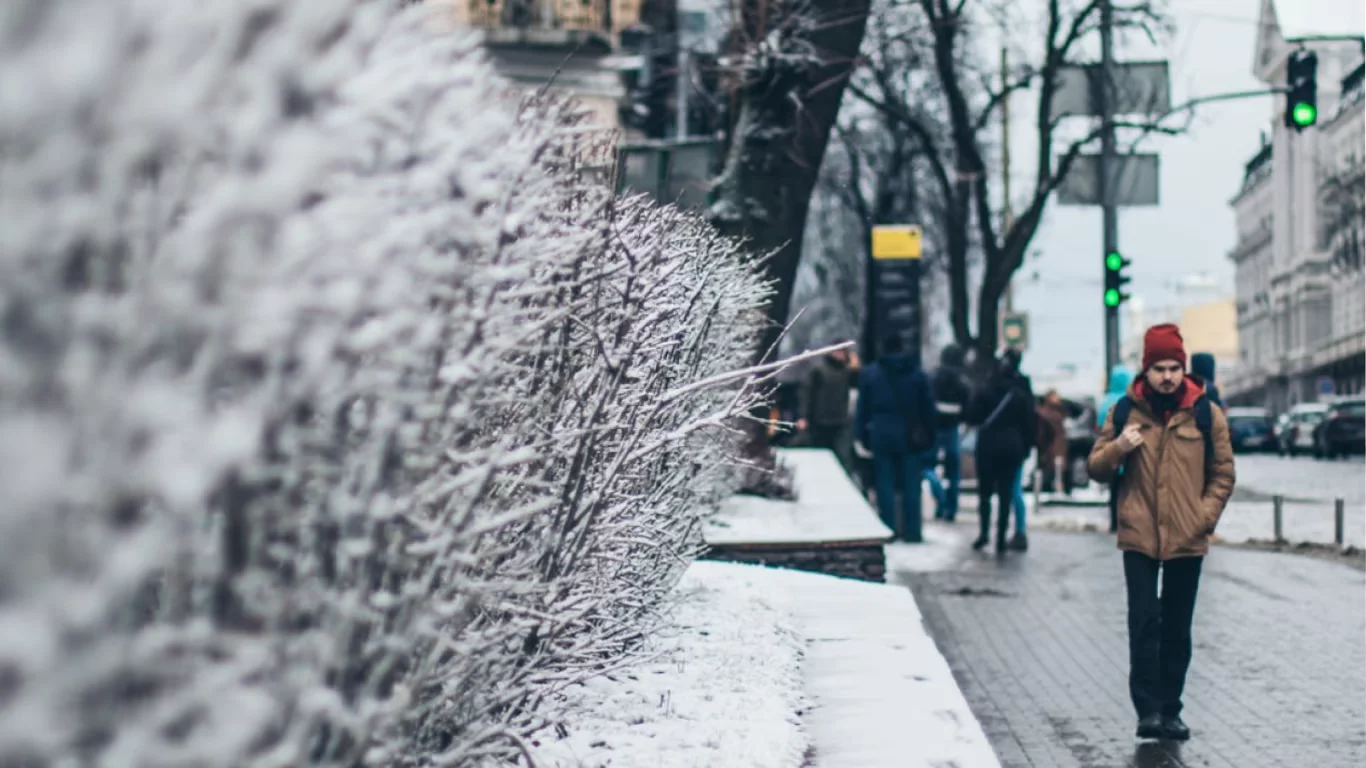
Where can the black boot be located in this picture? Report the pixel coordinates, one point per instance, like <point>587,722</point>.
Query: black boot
<point>1174,729</point>
<point>983,524</point>
<point>1019,542</point>
<point>1150,727</point>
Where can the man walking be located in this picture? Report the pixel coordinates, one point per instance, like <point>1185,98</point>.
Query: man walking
<point>1170,448</point>
<point>951,394</point>
<point>895,420</point>
<point>1004,411</point>
<point>825,405</point>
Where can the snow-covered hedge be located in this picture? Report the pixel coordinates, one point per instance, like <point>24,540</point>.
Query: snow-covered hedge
<point>343,417</point>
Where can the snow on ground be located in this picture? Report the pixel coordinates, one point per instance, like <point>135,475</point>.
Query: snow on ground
<point>721,688</point>
<point>829,508</point>
<point>882,695</point>
<point>767,667</point>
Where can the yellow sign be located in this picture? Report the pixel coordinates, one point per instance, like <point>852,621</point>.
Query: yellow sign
<point>896,242</point>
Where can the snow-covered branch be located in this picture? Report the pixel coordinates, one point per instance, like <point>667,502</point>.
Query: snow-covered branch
<point>344,415</point>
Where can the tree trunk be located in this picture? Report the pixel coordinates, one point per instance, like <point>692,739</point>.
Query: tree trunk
<point>794,71</point>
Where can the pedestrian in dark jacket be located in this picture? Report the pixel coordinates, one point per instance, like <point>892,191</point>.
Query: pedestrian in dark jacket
<point>1202,370</point>
<point>825,405</point>
<point>952,396</point>
<point>1003,411</point>
<point>895,421</point>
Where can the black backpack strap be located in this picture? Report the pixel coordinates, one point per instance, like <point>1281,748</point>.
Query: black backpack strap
<point>1204,421</point>
<point>1121,410</point>
<point>1122,407</point>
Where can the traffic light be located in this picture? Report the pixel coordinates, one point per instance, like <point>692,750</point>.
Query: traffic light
<point>1302,90</point>
<point>1115,280</point>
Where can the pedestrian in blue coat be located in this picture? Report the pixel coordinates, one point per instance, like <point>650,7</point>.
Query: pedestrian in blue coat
<point>895,421</point>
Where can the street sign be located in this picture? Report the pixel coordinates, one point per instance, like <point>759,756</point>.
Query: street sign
<point>1140,88</point>
<point>1015,330</point>
<point>896,242</point>
<point>1325,386</point>
<point>896,285</point>
<point>1136,181</point>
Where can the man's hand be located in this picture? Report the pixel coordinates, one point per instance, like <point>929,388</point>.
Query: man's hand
<point>1130,438</point>
<point>801,425</point>
<point>862,452</point>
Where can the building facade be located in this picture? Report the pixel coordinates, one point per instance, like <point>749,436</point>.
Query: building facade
<point>1299,301</point>
<point>567,46</point>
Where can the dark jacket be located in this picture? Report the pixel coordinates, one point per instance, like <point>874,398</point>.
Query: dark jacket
<point>951,391</point>
<point>890,391</point>
<point>1006,439</point>
<point>825,393</point>
<point>1202,365</point>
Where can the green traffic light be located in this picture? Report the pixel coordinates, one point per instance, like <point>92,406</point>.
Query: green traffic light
<point>1113,262</point>
<point>1112,298</point>
<point>1304,114</point>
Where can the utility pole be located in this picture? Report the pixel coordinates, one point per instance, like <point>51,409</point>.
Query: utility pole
<point>1108,167</point>
<point>1007,218</point>
<point>681,108</point>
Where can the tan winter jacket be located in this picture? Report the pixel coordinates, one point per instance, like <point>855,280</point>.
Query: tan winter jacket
<point>1167,507</point>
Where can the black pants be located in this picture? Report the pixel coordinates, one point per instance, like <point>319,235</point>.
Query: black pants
<point>1159,630</point>
<point>995,478</point>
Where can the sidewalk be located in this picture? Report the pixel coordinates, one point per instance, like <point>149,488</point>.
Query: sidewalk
<point>1038,643</point>
<point>769,668</point>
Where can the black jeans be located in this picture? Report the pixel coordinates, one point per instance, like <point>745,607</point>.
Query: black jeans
<point>995,478</point>
<point>1159,630</point>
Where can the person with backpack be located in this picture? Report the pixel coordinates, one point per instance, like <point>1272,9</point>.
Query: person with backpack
<point>951,393</point>
<point>1166,451</point>
<point>1202,368</point>
<point>1007,428</point>
<point>894,421</point>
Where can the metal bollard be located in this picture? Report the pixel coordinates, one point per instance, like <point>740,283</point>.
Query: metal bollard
<point>1339,519</point>
<point>1279,503</point>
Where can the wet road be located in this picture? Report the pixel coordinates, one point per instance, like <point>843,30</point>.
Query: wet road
<point>1038,644</point>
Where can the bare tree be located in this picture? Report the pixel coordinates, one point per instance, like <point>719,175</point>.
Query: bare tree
<point>958,156</point>
<point>789,63</point>
<point>876,172</point>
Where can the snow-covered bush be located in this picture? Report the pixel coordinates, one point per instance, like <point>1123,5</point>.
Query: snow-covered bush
<point>344,415</point>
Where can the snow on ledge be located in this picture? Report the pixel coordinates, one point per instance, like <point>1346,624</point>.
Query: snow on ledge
<point>770,668</point>
<point>720,687</point>
<point>882,695</point>
<point>829,509</point>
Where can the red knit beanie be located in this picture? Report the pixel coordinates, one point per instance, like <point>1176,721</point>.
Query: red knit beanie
<point>1163,342</point>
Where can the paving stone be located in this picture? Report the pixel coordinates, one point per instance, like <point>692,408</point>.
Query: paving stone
<point>1038,643</point>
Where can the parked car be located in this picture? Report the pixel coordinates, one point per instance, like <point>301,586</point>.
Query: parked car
<point>1342,430</point>
<point>1295,428</point>
<point>1250,429</point>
